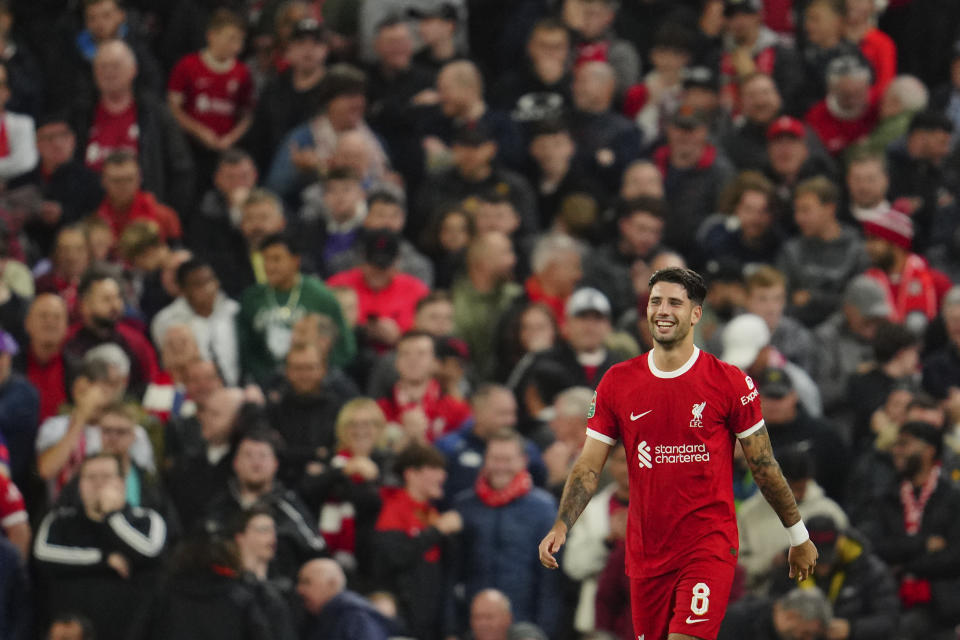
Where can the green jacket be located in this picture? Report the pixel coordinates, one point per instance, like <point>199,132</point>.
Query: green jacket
<point>265,322</point>
<point>475,317</point>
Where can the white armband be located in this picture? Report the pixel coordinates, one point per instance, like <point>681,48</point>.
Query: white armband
<point>798,534</point>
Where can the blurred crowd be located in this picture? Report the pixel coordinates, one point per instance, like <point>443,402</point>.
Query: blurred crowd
<point>303,304</point>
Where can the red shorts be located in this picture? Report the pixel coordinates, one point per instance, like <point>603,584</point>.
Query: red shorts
<point>691,600</point>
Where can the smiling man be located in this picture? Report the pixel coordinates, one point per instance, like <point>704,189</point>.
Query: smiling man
<point>677,411</point>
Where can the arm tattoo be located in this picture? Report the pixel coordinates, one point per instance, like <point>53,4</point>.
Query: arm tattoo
<point>769,477</point>
<point>581,485</point>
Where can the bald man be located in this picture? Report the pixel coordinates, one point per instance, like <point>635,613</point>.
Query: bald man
<point>122,117</point>
<point>490,615</point>
<point>461,94</point>
<point>42,359</point>
<point>606,141</point>
<point>336,612</point>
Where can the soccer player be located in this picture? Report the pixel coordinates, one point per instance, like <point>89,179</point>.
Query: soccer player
<point>677,410</point>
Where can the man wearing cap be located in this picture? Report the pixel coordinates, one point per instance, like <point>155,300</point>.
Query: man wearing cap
<point>851,108</point>
<point>268,311</point>
<point>857,583</point>
<point>921,173</point>
<point>790,425</point>
<point>386,299</point>
<point>914,288</point>
<point>475,171</point>
<point>759,526</point>
<point>585,331</point>
<point>695,172</point>
<point>292,96</point>
<point>844,341</point>
<point>819,263</point>
<point>746,344</point>
<point>437,28</point>
<point>751,48</point>
<point>916,527</point>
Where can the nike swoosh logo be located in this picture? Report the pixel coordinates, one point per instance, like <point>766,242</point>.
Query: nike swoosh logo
<point>690,621</point>
<point>634,417</point>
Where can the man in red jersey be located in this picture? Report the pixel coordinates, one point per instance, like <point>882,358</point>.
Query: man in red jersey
<point>677,411</point>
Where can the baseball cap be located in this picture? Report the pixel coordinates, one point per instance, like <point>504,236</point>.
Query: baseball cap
<point>743,338</point>
<point>308,28</point>
<point>732,7</point>
<point>473,135</point>
<point>688,118</point>
<point>774,383</point>
<point>8,344</point>
<point>381,247</point>
<point>443,11</point>
<point>701,78</point>
<point>786,127</point>
<point>824,533</point>
<point>585,300</point>
<point>868,297</point>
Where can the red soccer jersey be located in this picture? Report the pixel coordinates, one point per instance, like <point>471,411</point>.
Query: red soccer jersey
<point>678,428</point>
<point>213,98</point>
<point>111,132</point>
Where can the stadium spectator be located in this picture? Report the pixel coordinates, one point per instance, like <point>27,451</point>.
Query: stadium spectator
<point>820,262</point>
<point>333,610</point>
<point>591,21</point>
<point>120,119</point>
<point>912,527</point>
<point>69,190</point>
<point>860,28</point>
<point>761,104</point>
<point>914,289</point>
<point>903,98</point>
<point>767,298</point>
<point>941,368</point>
<point>868,181</point>
<point>99,558</point>
<point>70,259</point>
<point>762,545</point>
<point>14,522</point>
<point>125,202</point>
<point>254,481</point>
<point>264,325</point>
<point>851,108</point>
<point>823,26</point>
<point>503,490</point>
<point>568,427</point>
<point>437,29</point>
<point>801,613</point>
<point>18,144</point>
<point>19,409</point>
<point>651,103</point>
<point>42,360</point>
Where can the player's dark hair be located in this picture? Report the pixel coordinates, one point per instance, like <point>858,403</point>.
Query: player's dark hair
<point>690,280</point>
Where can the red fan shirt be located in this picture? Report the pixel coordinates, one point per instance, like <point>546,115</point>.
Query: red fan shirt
<point>111,132</point>
<point>216,99</point>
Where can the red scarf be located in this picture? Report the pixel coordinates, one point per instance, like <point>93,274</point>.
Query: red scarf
<point>520,486</point>
<point>4,140</point>
<point>915,291</point>
<point>914,591</point>
<point>536,294</point>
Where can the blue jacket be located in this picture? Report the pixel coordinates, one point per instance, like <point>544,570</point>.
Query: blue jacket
<point>464,453</point>
<point>499,551</point>
<point>349,617</point>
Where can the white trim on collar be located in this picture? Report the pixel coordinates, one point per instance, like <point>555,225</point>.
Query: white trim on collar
<point>676,373</point>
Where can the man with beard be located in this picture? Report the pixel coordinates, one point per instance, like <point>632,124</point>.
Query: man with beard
<point>915,527</point>
<point>254,482</point>
<point>101,312</point>
<point>682,535</point>
<point>914,289</point>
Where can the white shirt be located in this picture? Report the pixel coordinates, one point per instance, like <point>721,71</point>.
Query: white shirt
<point>22,140</point>
<point>216,335</point>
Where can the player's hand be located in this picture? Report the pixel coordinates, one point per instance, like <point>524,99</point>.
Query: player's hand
<point>802,559</point>
<point>551,544</point>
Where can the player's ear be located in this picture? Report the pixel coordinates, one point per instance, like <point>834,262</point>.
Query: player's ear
<point>696,314</point>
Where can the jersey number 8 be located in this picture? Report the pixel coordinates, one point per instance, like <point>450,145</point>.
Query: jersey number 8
<point>701,599</point>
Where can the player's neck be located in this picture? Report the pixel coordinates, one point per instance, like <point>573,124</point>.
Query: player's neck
<point>670,359</point>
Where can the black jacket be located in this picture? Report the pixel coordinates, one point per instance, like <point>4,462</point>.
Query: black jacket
<point>205,606</point>
<point>306,423</point>
<point>564,355</point>
<point>297,536</point>
<point>941,517</point>
<point>192,483</point>
<point>830,455</point>
<point>165,159</point>
<point>860,587</point>
<point>71,552</point>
